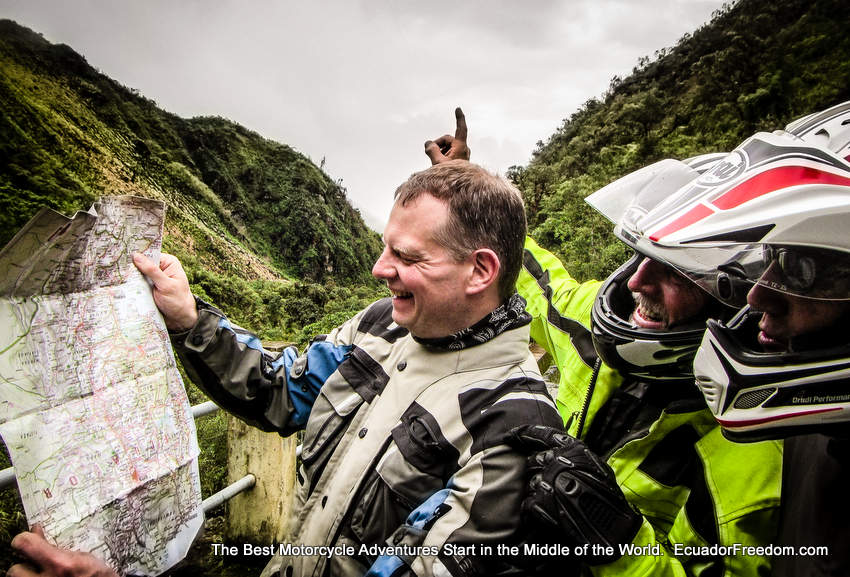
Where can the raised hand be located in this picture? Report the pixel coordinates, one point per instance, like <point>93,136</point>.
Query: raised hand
<point>448,147</point>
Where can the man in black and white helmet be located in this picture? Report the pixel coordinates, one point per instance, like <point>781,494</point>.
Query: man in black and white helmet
<point>781,367</point>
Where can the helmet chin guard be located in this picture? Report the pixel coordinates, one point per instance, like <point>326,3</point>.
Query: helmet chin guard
<point>758,395</point>
<point>644,354</point>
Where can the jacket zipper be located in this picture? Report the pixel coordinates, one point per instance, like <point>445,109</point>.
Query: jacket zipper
<point>586,405</point>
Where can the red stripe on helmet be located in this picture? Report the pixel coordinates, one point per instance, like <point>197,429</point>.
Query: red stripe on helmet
<point>697,213</point>
<point>736,424</point>
<point>774,179</point>
<point>759,185</point>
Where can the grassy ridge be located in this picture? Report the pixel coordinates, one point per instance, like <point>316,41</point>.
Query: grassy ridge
<point>243,204</point>
<point>755,66</point>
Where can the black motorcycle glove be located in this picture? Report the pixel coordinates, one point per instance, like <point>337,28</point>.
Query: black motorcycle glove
<point>575,491</point>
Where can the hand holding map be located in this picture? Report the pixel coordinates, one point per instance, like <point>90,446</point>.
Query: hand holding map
<point>92,407</point>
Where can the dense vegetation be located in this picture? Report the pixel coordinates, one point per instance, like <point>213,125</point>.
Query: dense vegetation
<point>755,66</point>
<point>242,203</point>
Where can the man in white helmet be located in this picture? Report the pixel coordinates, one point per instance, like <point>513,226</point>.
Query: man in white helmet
<point>781,367</point>
<point>815,509</point>
<point>652,469</point>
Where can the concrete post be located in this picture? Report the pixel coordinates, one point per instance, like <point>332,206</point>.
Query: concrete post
<point>259,515</point>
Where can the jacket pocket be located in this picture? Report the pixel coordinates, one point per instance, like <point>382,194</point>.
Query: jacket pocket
<point>333,410</point>
<point>418,463</point>
<point>379,510</point>
<point>358,379</point>
<point>421,442</point>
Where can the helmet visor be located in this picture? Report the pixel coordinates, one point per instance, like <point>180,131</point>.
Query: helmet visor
<point>728,272</point>
<point>628,201</point>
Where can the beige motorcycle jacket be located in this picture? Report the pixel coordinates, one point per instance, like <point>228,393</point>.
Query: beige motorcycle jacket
<point>391,423</point>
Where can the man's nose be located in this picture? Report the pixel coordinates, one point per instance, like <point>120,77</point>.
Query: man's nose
<point>383,269</point>
<point>765,299</point>
<point>646,277</point>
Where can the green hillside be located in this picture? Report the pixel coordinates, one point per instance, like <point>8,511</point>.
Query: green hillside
<point>241,204</point>
<point>755,66</point>
<point>262,232</point>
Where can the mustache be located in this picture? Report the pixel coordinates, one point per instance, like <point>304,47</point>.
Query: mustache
<point>649,308</point>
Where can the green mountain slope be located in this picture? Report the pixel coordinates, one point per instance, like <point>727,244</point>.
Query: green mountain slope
<point>239,203</point>
<point>262,232</point>
<point>755,66</point>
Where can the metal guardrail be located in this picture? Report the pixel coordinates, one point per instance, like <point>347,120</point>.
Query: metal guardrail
<point>228,492</point>
<point>204,409</point>
<point>7,476</point>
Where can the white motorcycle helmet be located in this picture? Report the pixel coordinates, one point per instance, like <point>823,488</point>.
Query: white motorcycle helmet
<point>775,212</point>
<point>642,353</point>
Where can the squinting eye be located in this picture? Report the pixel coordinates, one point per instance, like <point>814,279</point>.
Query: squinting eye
<point>677,278</point>
<point>405,259</point>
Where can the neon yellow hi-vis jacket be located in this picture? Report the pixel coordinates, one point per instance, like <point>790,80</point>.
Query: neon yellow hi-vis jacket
<point>708,503</point>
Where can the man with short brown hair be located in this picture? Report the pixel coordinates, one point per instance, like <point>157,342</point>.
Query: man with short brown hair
<point>410,401</point>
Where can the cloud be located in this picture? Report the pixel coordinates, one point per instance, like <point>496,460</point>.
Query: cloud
<point>364,83</point>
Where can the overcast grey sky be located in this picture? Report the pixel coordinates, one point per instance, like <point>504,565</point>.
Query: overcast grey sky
<point>362,83</point>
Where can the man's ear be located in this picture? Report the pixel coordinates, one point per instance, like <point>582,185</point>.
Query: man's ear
<point>485,271</point>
